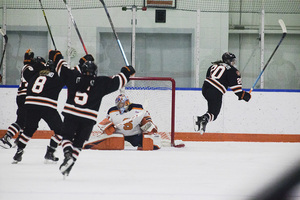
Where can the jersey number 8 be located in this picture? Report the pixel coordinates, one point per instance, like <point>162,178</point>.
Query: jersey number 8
<point>39,84</point>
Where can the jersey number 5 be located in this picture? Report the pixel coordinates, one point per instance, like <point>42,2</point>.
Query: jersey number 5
<point>81,98</point>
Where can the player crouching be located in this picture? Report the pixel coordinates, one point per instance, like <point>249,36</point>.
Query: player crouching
<point>126,122</point>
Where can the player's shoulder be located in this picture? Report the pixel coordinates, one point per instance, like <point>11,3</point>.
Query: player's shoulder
<point>27,67</point>
<point>227,67</point>
<point>135,106</point>
<point>233,71</point>
<point>112,110</point>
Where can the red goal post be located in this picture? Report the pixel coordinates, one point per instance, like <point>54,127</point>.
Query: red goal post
<point>157,95</point>
<point>171,84</point>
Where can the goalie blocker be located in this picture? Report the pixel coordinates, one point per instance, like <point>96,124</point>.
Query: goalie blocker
<point>109,140</point>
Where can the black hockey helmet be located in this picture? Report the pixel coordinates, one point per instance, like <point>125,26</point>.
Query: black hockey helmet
<point>39,63</point>
<point>228,58</point>
<point>39,59</point>
<point>89,68</point>
<point>50,65</point>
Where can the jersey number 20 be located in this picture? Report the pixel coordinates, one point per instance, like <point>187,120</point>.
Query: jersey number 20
<point>217,71</point>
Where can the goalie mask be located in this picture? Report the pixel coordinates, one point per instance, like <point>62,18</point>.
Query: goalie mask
<point>122,102</point>
<point>229,58</point>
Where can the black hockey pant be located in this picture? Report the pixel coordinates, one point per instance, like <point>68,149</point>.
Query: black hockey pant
<point>33,117</point>
<point>214,99</point>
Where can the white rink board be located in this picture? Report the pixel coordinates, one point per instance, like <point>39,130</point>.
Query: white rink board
<point>266,112</point>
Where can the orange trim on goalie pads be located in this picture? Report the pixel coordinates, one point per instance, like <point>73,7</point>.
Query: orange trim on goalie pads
<point>112,142</point>
<point>147,143</point>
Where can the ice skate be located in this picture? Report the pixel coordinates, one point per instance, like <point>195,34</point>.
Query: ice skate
<point>4,142</point>
<point>67,165</point>
<point>49,157</point>
<point>200,123</point>
<point>15,144</point>
<point>18,156</point>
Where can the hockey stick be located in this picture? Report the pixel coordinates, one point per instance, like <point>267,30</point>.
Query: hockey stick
<point>48,25</point>
<point>283,27</point>
<point>4,48</point>
<point>114,31</point>
<point>75,26</point>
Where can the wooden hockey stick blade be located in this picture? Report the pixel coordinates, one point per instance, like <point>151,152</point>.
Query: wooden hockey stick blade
<point>282,24</point>
<point>4,35</point>
<point>1,32</point>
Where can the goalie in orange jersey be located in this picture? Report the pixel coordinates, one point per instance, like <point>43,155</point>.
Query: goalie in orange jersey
<point>126,122</point>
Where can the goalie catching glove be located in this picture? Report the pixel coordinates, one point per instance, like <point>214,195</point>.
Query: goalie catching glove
<point>148,126</point>
<point>106,126</point>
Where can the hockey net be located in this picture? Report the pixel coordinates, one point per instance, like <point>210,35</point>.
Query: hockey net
<point>157,95</point>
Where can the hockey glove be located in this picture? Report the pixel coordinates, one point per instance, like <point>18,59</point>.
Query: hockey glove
<point>28,57</point>
<point>55,56</point>
<point>128,70</point>
<point>245,96</point>
<point>85,58</point>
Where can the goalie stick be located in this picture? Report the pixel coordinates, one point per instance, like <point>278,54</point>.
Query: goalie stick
<point>4,48</point>
<point>283,27</point>
<point>115,33</point>
<point>75,26</point>
<point>47,24</point>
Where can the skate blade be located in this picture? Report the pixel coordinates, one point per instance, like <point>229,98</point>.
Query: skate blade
<point>196,127</point>
<point>201,132</point>
<point>3,146</point>
<point>64,176</point>
<point>15,162</point>
<point>49,162</point>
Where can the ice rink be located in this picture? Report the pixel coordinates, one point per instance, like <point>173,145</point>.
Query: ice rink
<point>201,170</point>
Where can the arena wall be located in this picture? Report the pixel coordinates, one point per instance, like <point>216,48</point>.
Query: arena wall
<point>270,116</point>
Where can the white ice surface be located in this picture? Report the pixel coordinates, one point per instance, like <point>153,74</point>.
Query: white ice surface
<point>201,170</point>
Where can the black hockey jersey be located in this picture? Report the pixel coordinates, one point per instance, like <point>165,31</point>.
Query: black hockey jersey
<point>43,90</point>
<point>221,76</point>
<point>27,73</point>
<point>86,104</point>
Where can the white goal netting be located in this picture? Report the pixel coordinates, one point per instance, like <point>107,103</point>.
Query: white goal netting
<point>156,94</point>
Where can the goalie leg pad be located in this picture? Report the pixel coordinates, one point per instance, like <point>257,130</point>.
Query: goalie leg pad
<point>150,142</point>
<point>110,142</point>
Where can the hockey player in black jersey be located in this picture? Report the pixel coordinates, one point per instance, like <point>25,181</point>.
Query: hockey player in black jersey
<point>31,66</point>
<point>220,75</point>
<point>41,103</point>
<point>85,93</point>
